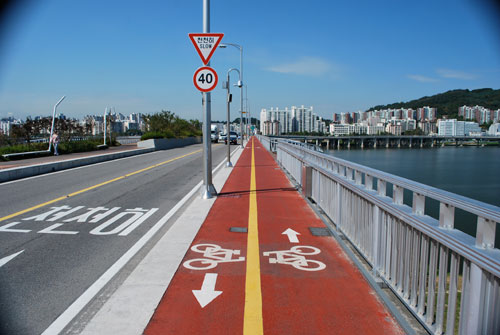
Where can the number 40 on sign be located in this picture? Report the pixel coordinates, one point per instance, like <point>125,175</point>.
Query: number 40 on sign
<point>205,79</point>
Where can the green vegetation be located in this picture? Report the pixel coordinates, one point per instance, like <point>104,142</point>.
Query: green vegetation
<point>29,137</point>
<point>168,125</point>
<point>417,131</point>
<point>63,148</point>
<point>447,103</point>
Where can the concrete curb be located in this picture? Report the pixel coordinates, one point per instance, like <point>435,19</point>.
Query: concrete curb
<point>38,169</point>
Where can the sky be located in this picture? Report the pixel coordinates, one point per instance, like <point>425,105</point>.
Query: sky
<point>337,56</point>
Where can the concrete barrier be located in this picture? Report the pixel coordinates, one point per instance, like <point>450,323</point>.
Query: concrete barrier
<point>169,143</point>
<point>34,170</point>
<point>144,147</point>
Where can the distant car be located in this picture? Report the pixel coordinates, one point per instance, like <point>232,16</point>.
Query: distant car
<point>214,136</point>
<point>233,138</point>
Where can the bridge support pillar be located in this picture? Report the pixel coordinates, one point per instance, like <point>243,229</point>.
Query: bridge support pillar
<point>348,144</point>
<point>410,142</point>
<point>399,143</point>
<point>362,144</point>
<point>421,142</point>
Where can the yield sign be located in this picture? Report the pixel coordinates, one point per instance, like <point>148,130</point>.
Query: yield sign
<point>205,44</point>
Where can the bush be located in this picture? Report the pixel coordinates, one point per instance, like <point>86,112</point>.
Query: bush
<point>13,149</point>
<point>63,148</point>
<point>158,134</point>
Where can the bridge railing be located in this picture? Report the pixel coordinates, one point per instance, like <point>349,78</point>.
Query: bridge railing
<point>447,278</point>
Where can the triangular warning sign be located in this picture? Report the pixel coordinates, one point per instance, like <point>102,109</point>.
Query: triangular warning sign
<point>205,44</point>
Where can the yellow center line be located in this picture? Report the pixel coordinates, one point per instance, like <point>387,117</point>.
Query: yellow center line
<point>94,187</point>
<point>252,322</point>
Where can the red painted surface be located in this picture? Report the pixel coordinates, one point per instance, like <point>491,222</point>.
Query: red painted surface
<point>335,300</point>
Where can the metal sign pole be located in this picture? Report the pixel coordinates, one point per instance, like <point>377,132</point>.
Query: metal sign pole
<point>228,123</point>
<point>208,190</point>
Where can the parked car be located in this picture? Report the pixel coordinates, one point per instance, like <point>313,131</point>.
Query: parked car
<point>233,138</point>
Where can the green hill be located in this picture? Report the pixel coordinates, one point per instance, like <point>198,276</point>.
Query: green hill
<point>447,103</point>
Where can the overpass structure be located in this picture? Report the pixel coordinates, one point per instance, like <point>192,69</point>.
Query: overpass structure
<point>390,141</point>
<point>448,279</point>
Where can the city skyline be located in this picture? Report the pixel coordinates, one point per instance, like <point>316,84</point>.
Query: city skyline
<point>337,57</point>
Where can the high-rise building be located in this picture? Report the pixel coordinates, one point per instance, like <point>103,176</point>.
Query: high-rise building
<point>296,119</point>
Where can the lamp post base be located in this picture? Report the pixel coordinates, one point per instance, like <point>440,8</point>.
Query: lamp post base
<point>208,192</point>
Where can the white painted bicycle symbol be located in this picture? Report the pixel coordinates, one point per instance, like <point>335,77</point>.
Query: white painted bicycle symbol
<point>295,257</point>
<point>213,254</point>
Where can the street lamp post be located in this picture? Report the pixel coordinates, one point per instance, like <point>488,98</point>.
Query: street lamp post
<point>240,84</point>
<point>228,125</point>
<point>53,119</point>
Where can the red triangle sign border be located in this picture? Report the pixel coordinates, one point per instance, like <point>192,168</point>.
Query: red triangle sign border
<point>192,36</point>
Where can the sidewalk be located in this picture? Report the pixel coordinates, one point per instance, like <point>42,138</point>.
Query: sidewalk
<point>52,159</point>
<point>23,168</point>
<point>262,262</point>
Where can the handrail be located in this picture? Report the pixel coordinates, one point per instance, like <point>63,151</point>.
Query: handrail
<point>406,248</point>
<point>477,207</point>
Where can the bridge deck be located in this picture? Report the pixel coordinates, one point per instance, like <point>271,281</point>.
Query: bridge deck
<point>243,275</point>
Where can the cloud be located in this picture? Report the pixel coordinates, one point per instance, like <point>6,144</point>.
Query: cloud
<point>308,66</point>
<point>422,79</point>
<point>453,74</point>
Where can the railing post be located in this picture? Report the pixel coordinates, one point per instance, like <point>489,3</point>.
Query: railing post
<point>397,194</point>
<point>368,182</point>
<point>446,215</point>
<point>476,284</point>
<point>357,177</point>
<point>485,234</point>
<point>418,207</point>
<point>376,239</point>
<point>382,187</point>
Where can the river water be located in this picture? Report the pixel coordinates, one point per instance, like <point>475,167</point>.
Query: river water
<point>473,172</point>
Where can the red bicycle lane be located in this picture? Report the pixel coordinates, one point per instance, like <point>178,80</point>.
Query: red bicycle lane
<point>306,283</point>
<point>309,285</point>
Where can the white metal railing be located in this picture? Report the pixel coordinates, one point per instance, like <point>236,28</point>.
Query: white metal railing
<point>447,278</point>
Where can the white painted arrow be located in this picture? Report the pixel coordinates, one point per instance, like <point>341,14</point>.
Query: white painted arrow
<point>292,235</point>
<point>207,292</point>
<point>7,259</point>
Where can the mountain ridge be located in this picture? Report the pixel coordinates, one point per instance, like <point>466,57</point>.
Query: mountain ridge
<point>447,103</point>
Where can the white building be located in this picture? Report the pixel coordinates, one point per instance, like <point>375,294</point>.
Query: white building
<point>494,129</point>
<point>457,128</point>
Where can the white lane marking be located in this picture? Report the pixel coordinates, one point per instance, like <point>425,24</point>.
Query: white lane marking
<point>51,230</point>
<point>77,306</point>
<point>292,235</point>
<point>6,228</point>
<point>7,259</point>
<point>207,293</point>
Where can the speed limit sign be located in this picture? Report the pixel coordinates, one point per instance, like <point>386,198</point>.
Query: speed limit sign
<point>205,79</point>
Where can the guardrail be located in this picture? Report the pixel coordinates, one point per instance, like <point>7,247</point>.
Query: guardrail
<point>448,279</point>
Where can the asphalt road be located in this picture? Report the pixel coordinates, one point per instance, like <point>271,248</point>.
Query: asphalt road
<point>88,218</point>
